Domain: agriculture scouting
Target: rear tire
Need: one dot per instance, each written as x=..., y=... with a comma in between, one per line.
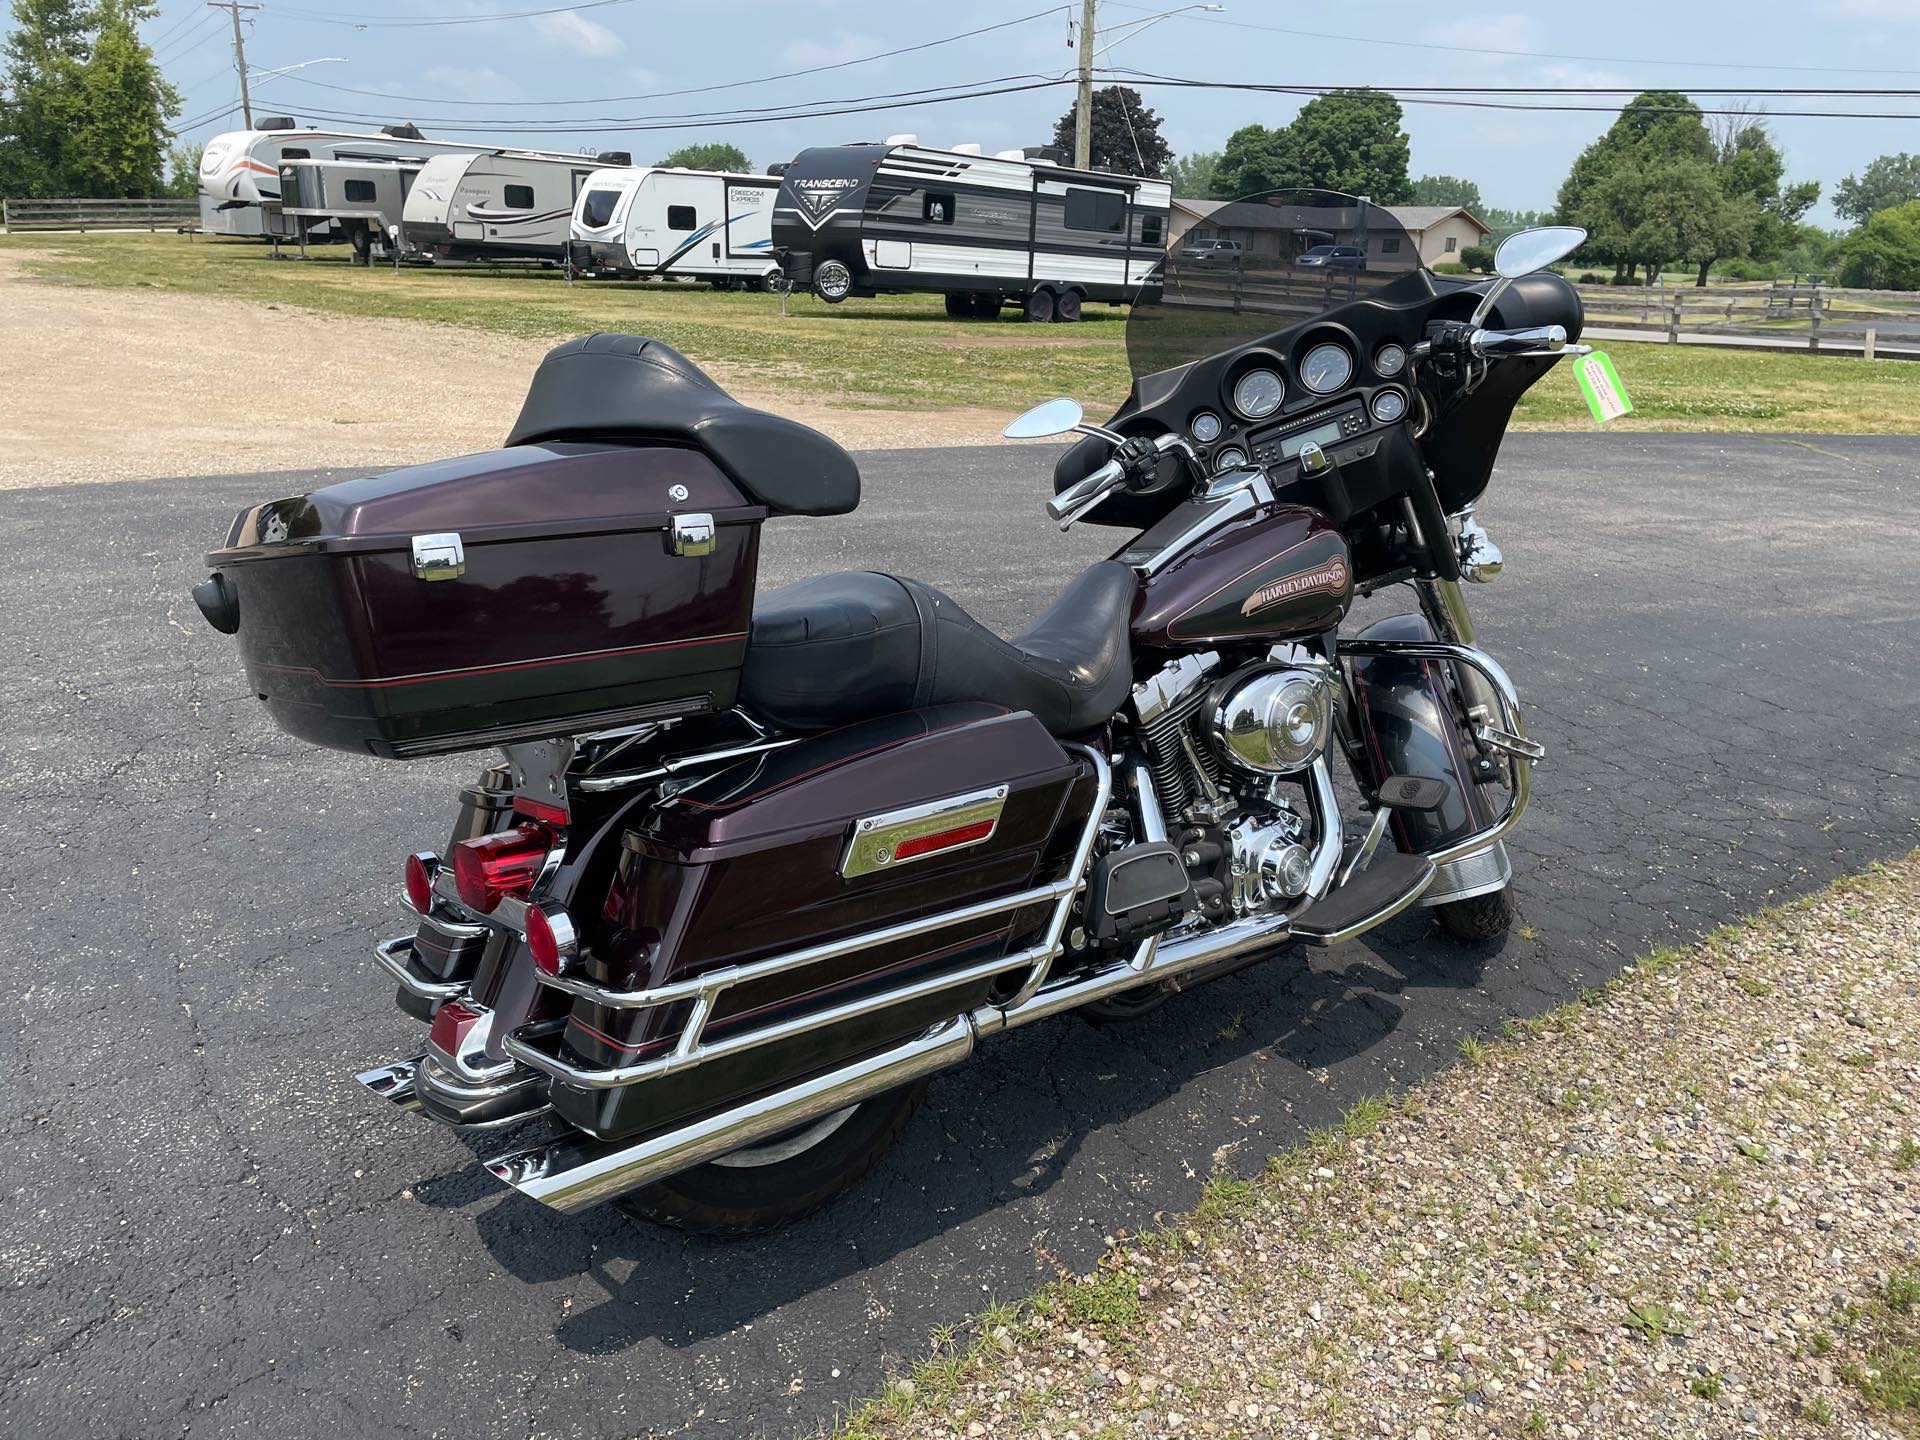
x=1040, y=307
x=772, y=1184
x=1066, y=309
x=1479, y=917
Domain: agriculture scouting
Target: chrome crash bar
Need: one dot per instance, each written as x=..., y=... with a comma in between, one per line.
x=1509, y=736
x=692, y=1047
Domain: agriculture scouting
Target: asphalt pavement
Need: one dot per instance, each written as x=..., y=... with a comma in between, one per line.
x=206, y=1227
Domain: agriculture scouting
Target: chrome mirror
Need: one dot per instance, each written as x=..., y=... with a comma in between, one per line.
x=1054, y=417
x=1526, y=251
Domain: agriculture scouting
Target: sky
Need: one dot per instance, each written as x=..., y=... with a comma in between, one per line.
x=601, y=63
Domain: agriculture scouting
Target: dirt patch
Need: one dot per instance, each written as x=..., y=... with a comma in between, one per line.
x=119, y=385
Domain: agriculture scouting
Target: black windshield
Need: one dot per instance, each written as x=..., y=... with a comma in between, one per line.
x=1264, y=263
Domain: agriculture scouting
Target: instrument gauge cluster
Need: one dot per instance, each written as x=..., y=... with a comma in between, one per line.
x=1258, y=393
x=1327, y=367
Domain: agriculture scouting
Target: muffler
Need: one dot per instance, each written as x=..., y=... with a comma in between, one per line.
x=576, y=1171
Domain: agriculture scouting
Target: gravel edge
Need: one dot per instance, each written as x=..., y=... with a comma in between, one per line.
x=1674, y=1206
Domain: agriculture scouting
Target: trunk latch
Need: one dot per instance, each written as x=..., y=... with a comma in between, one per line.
x=693, y=535
x=438, y=557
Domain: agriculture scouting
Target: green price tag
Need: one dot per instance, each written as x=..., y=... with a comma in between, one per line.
x=1600, y=383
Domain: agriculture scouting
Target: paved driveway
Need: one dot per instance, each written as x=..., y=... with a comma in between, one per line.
x=206, y=1227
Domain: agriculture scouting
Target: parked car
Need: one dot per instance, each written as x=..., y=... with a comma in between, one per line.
x=1212, y=252
x=1336, y=257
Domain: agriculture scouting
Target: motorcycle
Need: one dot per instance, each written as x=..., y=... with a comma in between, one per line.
x=752, y=869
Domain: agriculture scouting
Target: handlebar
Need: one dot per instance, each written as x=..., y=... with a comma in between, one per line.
x=1485, y=344
x=1077, y=499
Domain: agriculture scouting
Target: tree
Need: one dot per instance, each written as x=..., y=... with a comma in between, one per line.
x=1506, y=222
x=1889, y=181
x=710, y=155
x=1192, y=176
x=1652, y=129
x=85, y=108
x=1445, y=190
x=1884, y=253
x=1345, y=140
x=119, y=146
x=183, y=171
x=1672, y=208
x=1125, y=136
x=40, y=94
x=1759, y=215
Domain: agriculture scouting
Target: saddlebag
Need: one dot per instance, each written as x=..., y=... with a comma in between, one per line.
x=539, y=590
x=881, y=824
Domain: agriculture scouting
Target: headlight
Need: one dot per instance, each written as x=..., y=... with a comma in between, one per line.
x=1277, y=722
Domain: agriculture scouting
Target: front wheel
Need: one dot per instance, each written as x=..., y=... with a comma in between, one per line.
x=764, y=1186
x=1478, y=917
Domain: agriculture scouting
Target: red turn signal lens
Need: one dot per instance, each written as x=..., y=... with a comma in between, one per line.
x=491, y=867
x=549, y=938
x=420, y=871
x=945, y=840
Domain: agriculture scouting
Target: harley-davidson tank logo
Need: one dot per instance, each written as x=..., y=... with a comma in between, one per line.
x=823, y=194
x=1330, y=578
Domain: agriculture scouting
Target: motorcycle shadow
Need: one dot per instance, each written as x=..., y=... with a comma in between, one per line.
x=995, y=1137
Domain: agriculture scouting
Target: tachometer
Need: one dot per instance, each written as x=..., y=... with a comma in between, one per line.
x=1326, y=368
x=1258, y=393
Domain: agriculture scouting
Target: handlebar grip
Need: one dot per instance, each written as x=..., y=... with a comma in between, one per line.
x=1518, y=342
x=1069, y=503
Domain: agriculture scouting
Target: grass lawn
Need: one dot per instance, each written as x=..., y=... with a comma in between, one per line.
x=903, y=351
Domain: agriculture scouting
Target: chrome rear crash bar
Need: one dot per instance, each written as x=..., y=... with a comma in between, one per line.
x=691, y=1047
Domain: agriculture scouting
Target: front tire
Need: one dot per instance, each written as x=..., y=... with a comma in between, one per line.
x=778, y=1181
x=1478, y=918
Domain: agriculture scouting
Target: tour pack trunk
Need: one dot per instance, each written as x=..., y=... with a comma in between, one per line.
x=534, y=591
x=832, y=842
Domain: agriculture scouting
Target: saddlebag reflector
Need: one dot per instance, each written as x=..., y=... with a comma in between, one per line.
x=510, y=595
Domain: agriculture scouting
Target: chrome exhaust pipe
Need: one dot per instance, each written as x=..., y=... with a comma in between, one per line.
x=575, y=1172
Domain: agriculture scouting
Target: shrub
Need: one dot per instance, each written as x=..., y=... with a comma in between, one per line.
x=1478, y=257
x=1449, y=267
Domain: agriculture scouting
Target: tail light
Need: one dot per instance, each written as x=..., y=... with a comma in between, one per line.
x=490, y=867
x=550, y=938
x=422, y=868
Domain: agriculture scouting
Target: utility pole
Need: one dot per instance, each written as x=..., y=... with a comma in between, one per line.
x=233, y=8
x=1083, y=114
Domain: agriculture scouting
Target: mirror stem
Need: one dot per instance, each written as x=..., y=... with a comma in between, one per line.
x=1488, y=301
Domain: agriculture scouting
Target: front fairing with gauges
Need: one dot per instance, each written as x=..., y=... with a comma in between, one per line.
x=1252, y=363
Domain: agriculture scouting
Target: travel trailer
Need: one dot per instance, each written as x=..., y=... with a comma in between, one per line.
x=363, y=199
x=698, y=224
x=984, y=230
x=240, y=170
x=497, y=204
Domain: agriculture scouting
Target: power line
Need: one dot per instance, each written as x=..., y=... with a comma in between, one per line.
x=698, y=89
x=379, y=22
x=1484, y=50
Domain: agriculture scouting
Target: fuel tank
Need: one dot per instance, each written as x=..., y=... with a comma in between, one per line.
x=1281, y=574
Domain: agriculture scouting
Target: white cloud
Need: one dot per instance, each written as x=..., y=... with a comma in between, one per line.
x=576, y=32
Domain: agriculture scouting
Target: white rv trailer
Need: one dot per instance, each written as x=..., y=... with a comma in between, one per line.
x=497, y=204
x=365, y=199
x=240, y=170
x=650, y=222
x=984, y=230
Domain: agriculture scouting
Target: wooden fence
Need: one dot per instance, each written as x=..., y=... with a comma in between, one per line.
x=1777, y=315
x=75, y=214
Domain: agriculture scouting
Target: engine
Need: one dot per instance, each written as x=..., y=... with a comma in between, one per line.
x=1223, y=750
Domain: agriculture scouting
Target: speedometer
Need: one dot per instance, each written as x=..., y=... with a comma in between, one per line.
x=1326, y=368
x=1258, y=393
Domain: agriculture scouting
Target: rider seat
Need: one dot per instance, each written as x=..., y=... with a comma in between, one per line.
x=840, y=648
x=619, y=387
